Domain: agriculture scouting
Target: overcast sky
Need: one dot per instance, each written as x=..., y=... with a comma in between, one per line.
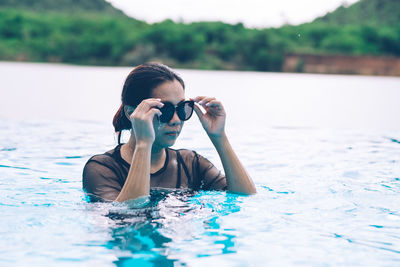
x=253, y=13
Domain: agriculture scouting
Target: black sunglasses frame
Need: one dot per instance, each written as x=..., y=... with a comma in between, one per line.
x=167, y=113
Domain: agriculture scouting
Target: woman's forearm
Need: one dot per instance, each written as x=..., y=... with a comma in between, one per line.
x=137, y=183
x=236, y=175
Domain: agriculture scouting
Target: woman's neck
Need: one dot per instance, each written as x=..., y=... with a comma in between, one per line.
x=158, y=154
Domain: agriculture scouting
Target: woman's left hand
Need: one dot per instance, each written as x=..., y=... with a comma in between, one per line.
x=213, y=120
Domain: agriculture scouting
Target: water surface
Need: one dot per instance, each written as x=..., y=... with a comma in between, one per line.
x=323, y=150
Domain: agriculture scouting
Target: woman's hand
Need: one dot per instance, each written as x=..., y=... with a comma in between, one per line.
x=142, y=120
x=213, y=120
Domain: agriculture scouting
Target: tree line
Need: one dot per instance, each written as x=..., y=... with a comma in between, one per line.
x=106, y=39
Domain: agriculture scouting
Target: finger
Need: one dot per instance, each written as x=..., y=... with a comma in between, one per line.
x=145, y=106
x=205, y=100
x=149, y=103
x=152, y=102
x=148, y=115
x=198, y=98
x=152, y=112
x=214, y=103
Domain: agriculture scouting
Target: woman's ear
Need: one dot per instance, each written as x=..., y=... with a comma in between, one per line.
x=128, y=110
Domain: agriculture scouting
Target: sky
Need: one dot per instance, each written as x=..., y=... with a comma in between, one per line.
x=252, y=13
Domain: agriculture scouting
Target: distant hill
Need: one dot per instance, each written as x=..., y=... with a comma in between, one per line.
x=63, y=5
x=94, y=32
x=365, y=12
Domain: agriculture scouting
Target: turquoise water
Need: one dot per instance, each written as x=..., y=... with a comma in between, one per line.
x=326, y=199
x=328, y=194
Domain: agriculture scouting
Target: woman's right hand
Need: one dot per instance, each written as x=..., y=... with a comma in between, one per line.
x=142, y=120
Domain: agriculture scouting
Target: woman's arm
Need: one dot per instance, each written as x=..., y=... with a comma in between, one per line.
x=137, y=183
x=237, y=178
x=213, y=122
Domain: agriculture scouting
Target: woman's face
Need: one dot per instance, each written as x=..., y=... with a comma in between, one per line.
x=167, y=133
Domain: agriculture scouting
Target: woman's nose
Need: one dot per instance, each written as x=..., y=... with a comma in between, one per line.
x=175, y=120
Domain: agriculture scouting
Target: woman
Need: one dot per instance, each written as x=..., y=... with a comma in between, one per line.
x=154, y=109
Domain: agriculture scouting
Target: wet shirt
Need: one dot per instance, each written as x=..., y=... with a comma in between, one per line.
x=104, y=175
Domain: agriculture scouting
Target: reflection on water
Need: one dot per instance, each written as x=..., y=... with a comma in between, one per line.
x=171, y=222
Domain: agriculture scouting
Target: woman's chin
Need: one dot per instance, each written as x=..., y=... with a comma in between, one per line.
x=166, y=142
x=170, y=143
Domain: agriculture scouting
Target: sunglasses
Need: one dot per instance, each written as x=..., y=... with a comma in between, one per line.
x=183, y=109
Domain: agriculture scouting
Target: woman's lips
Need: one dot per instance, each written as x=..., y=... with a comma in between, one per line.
x=172, y=133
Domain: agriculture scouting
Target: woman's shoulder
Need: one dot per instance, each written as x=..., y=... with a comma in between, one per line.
x=107, y=158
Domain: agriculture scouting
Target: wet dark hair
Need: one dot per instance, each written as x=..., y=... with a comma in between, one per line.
x=138, y=86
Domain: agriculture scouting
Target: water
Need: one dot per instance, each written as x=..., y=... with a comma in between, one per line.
x=323, y=150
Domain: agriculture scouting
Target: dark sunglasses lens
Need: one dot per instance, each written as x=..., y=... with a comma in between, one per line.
x=185, y=110
x=167, y=111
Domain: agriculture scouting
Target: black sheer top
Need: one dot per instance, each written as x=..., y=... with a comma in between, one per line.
x=104, y=175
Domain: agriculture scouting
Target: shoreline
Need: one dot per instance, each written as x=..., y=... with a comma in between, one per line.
x=293, y=64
